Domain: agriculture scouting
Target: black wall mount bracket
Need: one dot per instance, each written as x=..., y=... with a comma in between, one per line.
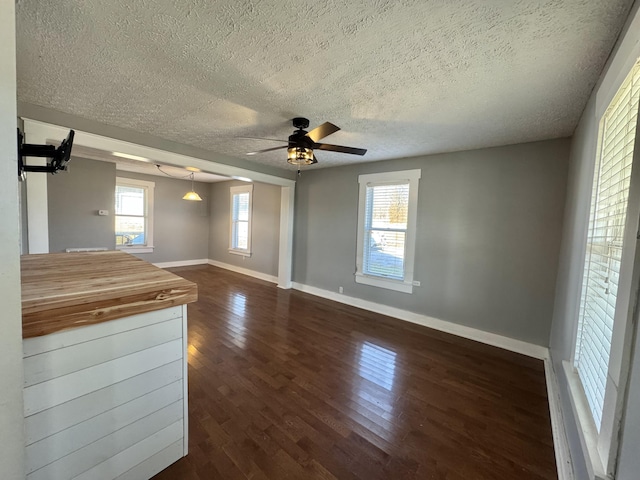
x=59, y=155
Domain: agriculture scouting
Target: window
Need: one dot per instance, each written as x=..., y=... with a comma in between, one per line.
x=386, y=229
x=134, y=215
x=604, y=302
x=240, y=231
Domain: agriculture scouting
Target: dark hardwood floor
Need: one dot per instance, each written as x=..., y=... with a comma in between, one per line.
x=285, y=385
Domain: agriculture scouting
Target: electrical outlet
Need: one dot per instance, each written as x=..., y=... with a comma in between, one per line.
x=103, y=213
x=340, y=290
x=416, y=283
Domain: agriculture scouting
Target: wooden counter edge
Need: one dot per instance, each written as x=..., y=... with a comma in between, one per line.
x=54, y=320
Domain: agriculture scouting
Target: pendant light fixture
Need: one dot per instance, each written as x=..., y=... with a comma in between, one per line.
x=192, y=195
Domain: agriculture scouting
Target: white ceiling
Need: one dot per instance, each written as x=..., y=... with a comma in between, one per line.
x=168, y=171
x=401, y=78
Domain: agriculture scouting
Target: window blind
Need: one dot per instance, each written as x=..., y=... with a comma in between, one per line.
x=607, y=222
x=386, y=210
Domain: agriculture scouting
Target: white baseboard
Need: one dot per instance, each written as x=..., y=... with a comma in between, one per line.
x=182, y=263
x=245, y=271
x=560, y=442
x=518, y=346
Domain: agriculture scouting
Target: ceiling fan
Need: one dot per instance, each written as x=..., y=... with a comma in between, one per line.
x=301, y=144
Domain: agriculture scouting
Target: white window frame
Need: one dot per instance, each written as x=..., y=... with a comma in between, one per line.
x=236, y=191
x=412, y=177
x=149, y=188
x=601, y=447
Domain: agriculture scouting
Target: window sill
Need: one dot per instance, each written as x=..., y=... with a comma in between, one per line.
x=243, y=253
x=141, y=249
x=396, y=285
x=585, y=425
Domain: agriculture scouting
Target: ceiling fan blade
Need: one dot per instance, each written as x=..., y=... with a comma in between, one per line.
x=322, y=131
x=340, y=149
x=268, y=150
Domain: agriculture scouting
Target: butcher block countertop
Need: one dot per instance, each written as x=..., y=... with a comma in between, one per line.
x=67, y=290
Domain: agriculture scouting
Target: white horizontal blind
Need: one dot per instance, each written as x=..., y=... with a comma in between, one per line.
x=240, y=235
x=605, y=241
x=385, y=227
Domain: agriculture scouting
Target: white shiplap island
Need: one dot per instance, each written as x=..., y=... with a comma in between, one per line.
x=105, y=362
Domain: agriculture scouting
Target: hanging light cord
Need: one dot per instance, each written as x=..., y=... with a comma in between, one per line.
x=189, y=175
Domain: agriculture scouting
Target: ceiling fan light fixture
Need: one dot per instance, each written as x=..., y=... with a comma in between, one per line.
x=299, y=156
x=301, y=143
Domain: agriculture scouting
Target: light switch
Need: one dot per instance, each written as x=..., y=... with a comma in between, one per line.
x=103, y=212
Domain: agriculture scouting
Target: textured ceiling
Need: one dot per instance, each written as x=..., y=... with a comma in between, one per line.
x=144, y=167
x=400, y=77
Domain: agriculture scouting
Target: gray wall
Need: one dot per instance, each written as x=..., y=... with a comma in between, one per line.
x=74, y=198
x=181, y=227
x=489, y=224
x=265, y=227
x=570, y=268
x=569, y=281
